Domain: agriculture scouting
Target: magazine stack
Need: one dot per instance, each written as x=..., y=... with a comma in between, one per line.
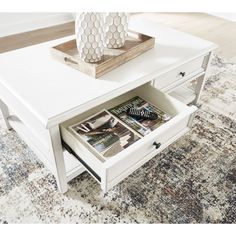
x=110, y=131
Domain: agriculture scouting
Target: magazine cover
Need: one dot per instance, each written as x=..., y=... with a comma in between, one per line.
x=104, y=133
x=142, y=126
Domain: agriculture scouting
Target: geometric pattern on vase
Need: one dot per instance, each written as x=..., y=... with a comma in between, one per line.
x=90, y=36
x=116, y=27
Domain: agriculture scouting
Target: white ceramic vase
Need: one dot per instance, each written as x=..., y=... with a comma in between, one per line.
x=89, y=30
x=116, y=27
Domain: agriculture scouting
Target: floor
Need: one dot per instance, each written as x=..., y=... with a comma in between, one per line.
x=215, y=29
x=16, y=41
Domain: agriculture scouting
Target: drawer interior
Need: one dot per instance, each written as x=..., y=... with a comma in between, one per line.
x=161, y=100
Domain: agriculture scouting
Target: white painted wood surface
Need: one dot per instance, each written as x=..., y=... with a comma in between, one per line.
x=174, y=77
x=143, y=160
x=183, y=94
x=125, y=160
x=43, y=93
x=56, y=154
x=53, y=92
x=5, y=114
x=73, y=167
x=32, y=142
x=201, y=81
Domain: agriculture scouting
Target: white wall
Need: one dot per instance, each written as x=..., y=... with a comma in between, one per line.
x=225, y=15
x=13, y=23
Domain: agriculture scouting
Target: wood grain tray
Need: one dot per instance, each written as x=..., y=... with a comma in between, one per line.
x=135, y=45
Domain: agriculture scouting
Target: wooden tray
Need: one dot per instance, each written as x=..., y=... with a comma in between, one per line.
x=135, y=45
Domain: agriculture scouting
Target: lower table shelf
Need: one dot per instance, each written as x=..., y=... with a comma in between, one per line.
x=72, y=165
x=183, y=94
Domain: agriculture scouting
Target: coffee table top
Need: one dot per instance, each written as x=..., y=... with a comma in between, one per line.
x=54, y=92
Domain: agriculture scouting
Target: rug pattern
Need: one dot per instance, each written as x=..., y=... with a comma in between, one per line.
x=192, y=181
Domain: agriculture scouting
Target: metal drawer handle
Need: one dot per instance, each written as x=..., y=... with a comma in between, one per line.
x=157, y=145
x=182, y=74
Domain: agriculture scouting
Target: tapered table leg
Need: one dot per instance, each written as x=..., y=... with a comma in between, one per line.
x=5, y=114
x=56, y=153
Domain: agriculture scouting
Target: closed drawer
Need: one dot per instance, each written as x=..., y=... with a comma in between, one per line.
x=110, y=172
x=180, y=75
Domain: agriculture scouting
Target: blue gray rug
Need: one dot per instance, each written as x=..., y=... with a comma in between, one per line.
x=192, y=181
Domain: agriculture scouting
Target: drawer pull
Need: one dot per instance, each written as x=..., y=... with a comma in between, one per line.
x=182, y=74
x=157, y=145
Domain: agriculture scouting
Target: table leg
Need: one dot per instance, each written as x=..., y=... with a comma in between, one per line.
x=199, y=87
x=5, y=113
x=56, y=153
x=201, y=81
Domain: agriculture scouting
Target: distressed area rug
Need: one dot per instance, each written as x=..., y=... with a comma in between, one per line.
x=192, y=181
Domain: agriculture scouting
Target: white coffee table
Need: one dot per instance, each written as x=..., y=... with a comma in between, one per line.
x=41, y=94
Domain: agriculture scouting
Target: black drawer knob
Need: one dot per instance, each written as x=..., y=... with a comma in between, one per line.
x=157, y=145
x=182, y=74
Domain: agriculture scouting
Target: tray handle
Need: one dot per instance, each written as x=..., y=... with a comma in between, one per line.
x=69, y=60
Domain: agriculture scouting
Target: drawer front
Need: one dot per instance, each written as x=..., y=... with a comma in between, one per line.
x=140, y=156
x=180, y=74
x=110, y=172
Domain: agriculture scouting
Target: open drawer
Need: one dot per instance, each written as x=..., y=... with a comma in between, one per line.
x=110, y=172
